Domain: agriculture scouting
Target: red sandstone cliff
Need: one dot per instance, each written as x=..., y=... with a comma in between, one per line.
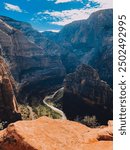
x=8, y=104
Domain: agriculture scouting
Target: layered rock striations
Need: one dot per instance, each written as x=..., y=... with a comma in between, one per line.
x=49, y=134
x=86, y=94
x=29, y=63
x=8, y=104
x=38, y=62
x=48, y=46
x=86, y=41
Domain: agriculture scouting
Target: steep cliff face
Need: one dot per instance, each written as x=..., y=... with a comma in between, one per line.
x=49, y=134
x=48, y=46
x=38, y=61
x=8, y=104
x=30, y=65
x=88, y=41
x=82, y=42
x=86, y=94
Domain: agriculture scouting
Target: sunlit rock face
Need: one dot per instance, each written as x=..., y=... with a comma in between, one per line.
x=49, y=134
x=8, y=104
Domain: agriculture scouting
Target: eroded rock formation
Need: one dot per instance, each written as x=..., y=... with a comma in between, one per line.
x=8, y=104
x=49, y=134
x=86, y=94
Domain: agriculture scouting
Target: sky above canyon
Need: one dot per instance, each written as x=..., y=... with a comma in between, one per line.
x=51, y=15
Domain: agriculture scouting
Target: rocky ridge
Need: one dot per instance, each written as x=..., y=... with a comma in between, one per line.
x=89, y=42
x=85, y=93
x=29, y=63
x=86, y=41
x=8, y=105
x=48, y=46
x=48, y=134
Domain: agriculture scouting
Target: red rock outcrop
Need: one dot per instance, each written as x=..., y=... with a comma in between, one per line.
x=8, y=104
x=48, y=134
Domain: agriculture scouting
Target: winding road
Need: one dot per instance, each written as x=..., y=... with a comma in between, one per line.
x=49, y=98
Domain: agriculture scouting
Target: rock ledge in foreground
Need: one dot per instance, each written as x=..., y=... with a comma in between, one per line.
x=49, y=134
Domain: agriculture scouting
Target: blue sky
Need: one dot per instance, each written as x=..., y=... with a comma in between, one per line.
x=51, y=14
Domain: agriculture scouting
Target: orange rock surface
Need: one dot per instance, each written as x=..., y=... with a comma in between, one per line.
x=8, y=103
x=49, y=134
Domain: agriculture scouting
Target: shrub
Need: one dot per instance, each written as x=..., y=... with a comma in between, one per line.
x=90, y=121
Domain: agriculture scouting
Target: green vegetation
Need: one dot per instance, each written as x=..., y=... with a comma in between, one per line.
x=24, y=111
x=38, y=110
x=90, y=121
x=42, y=110
x=1, y=126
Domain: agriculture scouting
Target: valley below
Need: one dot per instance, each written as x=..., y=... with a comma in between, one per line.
x=57, y=87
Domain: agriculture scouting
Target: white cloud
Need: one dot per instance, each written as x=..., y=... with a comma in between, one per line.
x=104, y=4
x=66, y=1
x=12, y=7
x=51, y=30
x=88, y=5
x=67, y=16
